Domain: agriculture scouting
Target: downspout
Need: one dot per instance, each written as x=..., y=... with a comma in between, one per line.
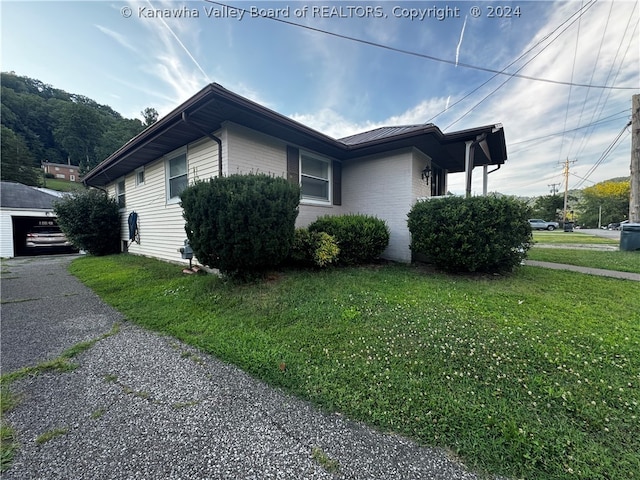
x=211, y=136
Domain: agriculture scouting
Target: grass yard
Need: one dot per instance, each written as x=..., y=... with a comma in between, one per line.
x=560, y=237
x=534, y=375
x=63, y=185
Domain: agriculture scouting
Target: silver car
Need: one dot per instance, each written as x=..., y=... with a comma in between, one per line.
x=49, y=237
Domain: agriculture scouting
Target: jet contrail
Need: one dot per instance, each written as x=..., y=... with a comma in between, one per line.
x=460, y=41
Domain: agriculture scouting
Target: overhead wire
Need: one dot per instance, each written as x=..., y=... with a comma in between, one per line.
x=573, y=69
x=579, y=11
x=604, y=155
x=418, y=54
x=593, y=72
x=601, y=104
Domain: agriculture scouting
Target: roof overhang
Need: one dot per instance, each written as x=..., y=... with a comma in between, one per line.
x=207, y=110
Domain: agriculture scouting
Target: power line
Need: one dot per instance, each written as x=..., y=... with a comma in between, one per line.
x=580, y=11
x=604, y=155
x=417, y=54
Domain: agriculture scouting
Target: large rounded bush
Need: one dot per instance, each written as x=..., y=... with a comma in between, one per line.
x=361, y=238
x=241, y=224
x=477, y=234
x=91, y=221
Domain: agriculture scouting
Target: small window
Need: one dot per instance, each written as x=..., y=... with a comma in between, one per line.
x=177, y=176
x=139, y=177
x=120, y=193
x=314, y=178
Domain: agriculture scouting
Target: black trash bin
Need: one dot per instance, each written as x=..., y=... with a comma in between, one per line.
x=568, y=226
x=630, y=237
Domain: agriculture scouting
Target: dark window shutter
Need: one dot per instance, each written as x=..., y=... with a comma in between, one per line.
x=337, y=183
x=293, y=165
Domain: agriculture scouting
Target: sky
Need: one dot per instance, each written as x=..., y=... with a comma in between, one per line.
x=558, y=75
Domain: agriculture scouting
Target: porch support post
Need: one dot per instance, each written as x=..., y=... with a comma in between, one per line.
x=468, y=164
x=485, y=179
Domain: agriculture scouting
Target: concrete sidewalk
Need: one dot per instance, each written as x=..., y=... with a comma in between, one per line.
x=145, y=406
x=587, y=270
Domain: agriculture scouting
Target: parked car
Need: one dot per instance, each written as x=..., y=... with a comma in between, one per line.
x=538, y=224
x=613, y=226
x=43, y=238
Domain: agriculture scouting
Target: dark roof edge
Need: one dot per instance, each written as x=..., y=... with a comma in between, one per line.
x=215, y=91
x=208, y=93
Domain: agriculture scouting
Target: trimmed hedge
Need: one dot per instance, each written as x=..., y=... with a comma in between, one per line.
x=361, y=238
x=90, y=220
x=241, y=224
x=477, y=234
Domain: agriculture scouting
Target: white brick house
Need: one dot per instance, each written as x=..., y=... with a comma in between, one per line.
x=216, y=132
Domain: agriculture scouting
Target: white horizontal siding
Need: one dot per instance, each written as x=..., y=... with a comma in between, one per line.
x=160, y=223
x=6, y=235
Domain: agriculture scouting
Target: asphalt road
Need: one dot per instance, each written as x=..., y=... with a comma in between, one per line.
x=144, y=406
x=615, y=234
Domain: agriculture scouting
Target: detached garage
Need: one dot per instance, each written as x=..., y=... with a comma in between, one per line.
x=23, y=209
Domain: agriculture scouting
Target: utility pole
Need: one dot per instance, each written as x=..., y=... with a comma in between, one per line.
x=554, y=188
x=565, y=172
x=634, y=198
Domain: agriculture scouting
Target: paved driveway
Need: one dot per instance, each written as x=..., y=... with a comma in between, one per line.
x=145, y=406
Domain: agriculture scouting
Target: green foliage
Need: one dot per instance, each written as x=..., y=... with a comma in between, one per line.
x=57, y=126
x=90, y=220
x=477, y=234
x=318, y=249
x=17, y=160
x=361, y=238
x=241, y=224
x=549, y=207
x=610, y=196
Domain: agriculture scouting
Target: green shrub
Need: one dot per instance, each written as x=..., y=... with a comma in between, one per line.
x=361, y=238
x=241, y=224
x=90, y=220
x=478, y=234
x=318, y=249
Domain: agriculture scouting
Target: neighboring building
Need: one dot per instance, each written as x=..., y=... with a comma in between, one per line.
x=216, y=132
x=21, y=209
x=61, y=171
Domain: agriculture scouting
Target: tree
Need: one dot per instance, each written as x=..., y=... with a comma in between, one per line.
x=610, y=197
x=116, y=134
x=79, y=129
x=16, y=159
x=150, y=116
x=548, y=207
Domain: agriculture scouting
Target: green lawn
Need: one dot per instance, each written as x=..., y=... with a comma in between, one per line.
x=533, y=375
x=576, y=237
x=63, y=185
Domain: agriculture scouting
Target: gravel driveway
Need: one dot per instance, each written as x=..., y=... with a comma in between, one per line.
x=145, y=406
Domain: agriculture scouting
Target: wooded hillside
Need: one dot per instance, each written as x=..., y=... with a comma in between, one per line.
x=42, y=123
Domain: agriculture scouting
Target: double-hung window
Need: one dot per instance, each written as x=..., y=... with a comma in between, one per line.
x=176, y=176
x=120, y=194
x=315, y=173
x=140, y=176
